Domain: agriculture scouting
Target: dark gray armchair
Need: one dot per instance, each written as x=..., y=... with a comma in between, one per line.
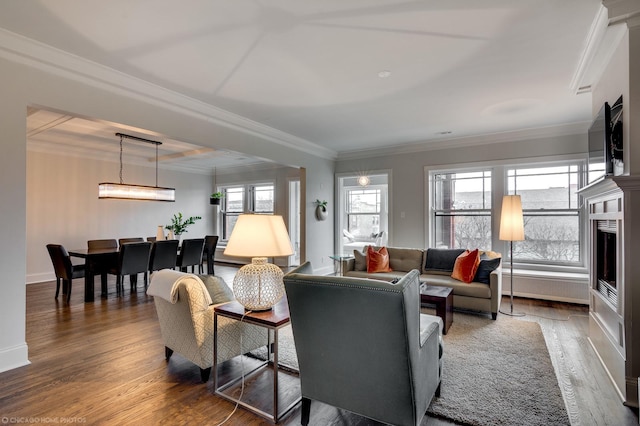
x=363, y=345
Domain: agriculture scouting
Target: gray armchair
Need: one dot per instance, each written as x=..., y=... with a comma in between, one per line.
x=363, y=345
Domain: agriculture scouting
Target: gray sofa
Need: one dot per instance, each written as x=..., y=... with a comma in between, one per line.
x=436, y=266
x=364, y=346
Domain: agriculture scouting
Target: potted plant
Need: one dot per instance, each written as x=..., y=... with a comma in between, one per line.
x=179, y=225
x=321, y=209
x=215, y=198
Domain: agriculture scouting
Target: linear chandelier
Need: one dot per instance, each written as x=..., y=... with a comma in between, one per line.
x=136, y=192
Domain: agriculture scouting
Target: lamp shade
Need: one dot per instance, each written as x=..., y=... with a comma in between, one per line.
x=259, y=235
x=511, y=220
x=258, y=286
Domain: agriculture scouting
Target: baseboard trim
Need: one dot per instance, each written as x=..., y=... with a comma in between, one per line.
x=14, y=357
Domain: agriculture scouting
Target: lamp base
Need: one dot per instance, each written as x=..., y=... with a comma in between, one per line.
x=258, y=286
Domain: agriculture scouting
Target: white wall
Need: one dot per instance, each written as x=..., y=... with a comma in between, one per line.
x=63, y=205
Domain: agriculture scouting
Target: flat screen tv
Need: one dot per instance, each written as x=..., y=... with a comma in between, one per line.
x=605, y=142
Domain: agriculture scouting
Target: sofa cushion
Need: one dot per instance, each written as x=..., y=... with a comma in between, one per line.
x=466, y=266
x=217, y=288
x=486, y=267
x=377, y=260
x=405, y=259
x=441, y=260
x=360, y=261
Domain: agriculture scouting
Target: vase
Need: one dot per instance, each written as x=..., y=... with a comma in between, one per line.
x=160, y=233
x=321, y=213
x=170, y=235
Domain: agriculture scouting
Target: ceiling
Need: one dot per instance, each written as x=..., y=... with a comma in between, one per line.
x=346, y=75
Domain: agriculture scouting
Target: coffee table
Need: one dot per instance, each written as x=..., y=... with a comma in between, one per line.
x=442, y=297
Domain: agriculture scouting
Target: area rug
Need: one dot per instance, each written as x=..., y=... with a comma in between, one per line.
x=495, y=373
x=498, y=373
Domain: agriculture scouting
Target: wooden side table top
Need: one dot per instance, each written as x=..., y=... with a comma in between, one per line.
x=275, y=317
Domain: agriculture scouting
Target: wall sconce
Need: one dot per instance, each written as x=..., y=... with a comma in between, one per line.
x=136, y=192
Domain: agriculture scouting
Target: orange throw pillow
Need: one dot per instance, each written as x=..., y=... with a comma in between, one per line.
x=466, y=266
x=377, y=261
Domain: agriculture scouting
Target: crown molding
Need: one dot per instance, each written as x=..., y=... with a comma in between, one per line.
x=470, y=141
x=622, y=10
x=592, y=43
x=26, y=51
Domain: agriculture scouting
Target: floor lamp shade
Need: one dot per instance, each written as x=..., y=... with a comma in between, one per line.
x=258, y=286
x=511, y=221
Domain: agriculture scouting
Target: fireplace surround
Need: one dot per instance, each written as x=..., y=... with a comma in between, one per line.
x=613, y=206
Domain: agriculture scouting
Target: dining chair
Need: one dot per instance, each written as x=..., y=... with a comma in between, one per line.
x=164, y=255
x=102, y=244
x=210, y=243
x=122, y=241
x=133, y=259
x=65, y=271
x=191, y=254
x=152, y=239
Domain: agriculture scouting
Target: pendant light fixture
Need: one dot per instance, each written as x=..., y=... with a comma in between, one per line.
x=136, y=192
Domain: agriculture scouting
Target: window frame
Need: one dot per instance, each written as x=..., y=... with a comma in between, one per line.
x=248, y=204
x=499, y=188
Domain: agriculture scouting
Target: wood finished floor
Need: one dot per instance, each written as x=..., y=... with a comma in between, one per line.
x=103, y=363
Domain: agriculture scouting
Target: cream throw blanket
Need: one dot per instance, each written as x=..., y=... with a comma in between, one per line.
x=164, y=284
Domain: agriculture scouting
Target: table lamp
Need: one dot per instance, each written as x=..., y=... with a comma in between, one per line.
x=511, y=229
x=258, y=286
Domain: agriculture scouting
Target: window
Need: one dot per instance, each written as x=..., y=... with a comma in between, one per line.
x=239, y=199
x=462, y=209
x=551, y=213
x=363, y=211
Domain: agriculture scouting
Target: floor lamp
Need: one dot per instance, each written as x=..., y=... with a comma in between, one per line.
x=511, y=229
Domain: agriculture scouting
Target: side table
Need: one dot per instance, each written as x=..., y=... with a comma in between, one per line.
x=442, y=297
x=339, y=258
x=273, y=320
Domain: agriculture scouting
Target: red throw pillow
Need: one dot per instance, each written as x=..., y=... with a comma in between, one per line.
x=466, y=266
x=377, y=261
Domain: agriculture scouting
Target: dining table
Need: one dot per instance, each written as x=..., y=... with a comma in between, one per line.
x=97, y=261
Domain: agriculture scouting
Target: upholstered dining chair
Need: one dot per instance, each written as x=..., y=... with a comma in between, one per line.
x=65, y=271
x=122, y=241
x=210, y=244
x=191, y=254
x=133, y=259
x=163, y=255
x=364, y=346
x=109, y=243
x=184, y=304
x=102, y=244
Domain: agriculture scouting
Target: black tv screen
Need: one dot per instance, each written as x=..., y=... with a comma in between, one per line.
x=600, y=164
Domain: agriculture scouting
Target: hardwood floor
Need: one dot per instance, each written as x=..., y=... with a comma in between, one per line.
x=103, y=363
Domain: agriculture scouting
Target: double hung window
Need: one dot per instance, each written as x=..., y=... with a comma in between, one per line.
x=551, y=211
x=462, y=209
x=464, y=201
x=247, y=198
x=363, y=211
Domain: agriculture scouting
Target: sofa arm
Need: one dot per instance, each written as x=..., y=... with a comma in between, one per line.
x=348, y=265
x=495, y=284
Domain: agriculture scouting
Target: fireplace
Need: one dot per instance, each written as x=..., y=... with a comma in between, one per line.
x=613, y=205
x=606, y=259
